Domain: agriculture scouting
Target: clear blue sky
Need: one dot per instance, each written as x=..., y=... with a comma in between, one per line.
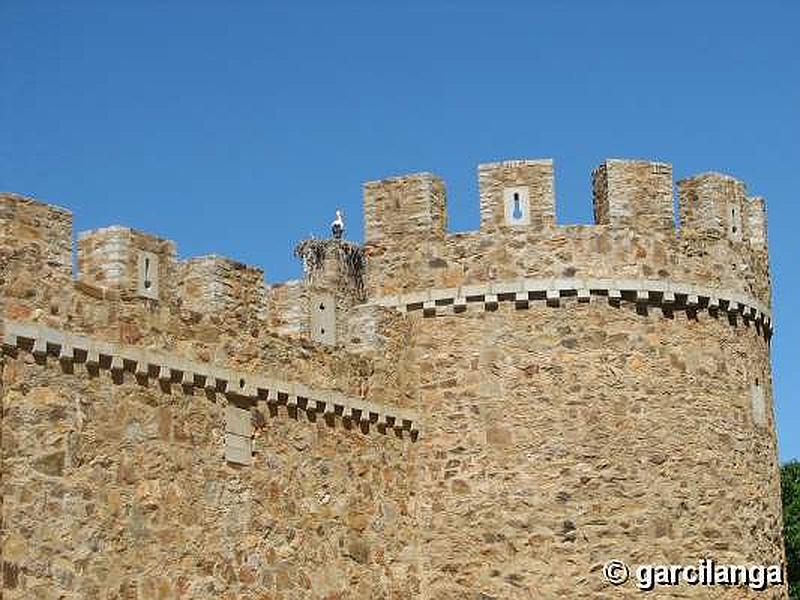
x=237, y=128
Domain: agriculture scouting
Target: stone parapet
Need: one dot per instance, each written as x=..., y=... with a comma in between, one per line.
x=635, y=235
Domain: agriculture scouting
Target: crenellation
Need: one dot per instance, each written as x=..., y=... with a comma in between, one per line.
x=756, y=223
x=130, y=262
x=636, y=194
x=215, y=285
x=517, y=193
x=103, y=257
x=712, y=206
x=35, y=239
x=404, y=207
x=635, y=237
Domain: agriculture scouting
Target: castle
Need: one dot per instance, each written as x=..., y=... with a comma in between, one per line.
x=483, y=415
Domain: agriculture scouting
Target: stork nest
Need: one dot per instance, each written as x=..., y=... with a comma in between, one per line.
x=351, y=257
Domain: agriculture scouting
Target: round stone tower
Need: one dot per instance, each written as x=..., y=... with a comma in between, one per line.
x=588, y=392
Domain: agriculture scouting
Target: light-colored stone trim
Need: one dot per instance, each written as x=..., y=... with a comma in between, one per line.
x=667, y=294
x=238, y=435
x=43, y=341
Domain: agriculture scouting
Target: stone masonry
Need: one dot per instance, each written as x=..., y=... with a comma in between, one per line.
x=483, y=415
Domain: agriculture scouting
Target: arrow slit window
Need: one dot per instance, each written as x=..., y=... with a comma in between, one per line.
x=516, y=205
x=147, y=277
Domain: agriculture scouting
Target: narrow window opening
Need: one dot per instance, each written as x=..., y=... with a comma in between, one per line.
x=147, y=281
x=757, y=381
x=517, y=212
x=321, y=306
x=241, y=383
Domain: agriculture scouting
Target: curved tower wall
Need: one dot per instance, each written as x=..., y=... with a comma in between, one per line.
x=588, y=392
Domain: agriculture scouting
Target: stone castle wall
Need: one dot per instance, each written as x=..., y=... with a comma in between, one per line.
x=490, y=414
x=569, y=435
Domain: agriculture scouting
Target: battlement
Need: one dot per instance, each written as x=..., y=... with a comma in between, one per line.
x=519, y=195
x=130, y=281
x=131, y=262
x=33, y=233
x=633, y=193
x=720, y=239
x=217, y=285
x=409, y=206
x=720, y=242
x=716, y=206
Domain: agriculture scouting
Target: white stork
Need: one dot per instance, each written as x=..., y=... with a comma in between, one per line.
x=337, y=226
